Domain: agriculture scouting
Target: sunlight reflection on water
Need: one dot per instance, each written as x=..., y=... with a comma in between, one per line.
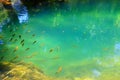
x=22, y=11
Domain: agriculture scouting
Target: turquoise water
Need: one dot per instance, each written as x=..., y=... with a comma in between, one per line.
x=83, y=43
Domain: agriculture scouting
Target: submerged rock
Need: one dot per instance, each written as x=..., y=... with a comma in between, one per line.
x=21, y=71
x=4, y=19
x=14, y=6
x=24, y=71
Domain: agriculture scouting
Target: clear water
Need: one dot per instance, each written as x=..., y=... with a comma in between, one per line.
x=84, y=43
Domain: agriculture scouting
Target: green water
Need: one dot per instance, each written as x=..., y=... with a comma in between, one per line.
x=81, y=42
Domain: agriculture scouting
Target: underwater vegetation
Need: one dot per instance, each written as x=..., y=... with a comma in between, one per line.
x=21, y=71
x=3, y=17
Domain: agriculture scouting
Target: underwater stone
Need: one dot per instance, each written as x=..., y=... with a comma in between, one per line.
x=4, y=19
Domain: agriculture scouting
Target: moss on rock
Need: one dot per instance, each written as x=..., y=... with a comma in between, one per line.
x=3, y=13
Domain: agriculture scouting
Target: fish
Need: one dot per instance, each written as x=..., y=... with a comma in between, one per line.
x=32, y=55
x=16, y=48
x=22, y=44
x=27, y=49
x=51, y=50
x=34, y=42
x=22, y=41
x=2, y=58
x=11, y=39
x=19, y=36
x=59, y=70
x=15, y=40
x=13, y=35
x=33, y=35
x=12, y=60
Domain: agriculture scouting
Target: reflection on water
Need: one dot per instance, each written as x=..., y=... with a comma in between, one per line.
x=117, y=49
x=68, y=45
x=21, y=10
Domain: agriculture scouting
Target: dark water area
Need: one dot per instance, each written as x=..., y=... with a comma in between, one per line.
x=73, y=41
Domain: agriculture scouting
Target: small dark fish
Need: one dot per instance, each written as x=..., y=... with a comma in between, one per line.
x=33, y=54
x=13, y=35
x=15, y=40
x=16, y=48
x=22, y=44
x=34, y=42
x=59, y=70
x=22, y=41
x=11, y=30
x=51, y=50
x=27, y=49
x=12, y=60
x=2, y=58
x=11, y=39
x=33, y=35
x=19, y=36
